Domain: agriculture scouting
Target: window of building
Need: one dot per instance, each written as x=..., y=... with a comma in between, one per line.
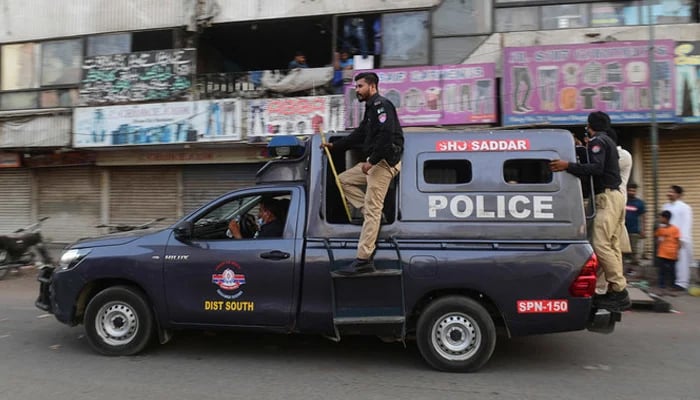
x=20, y=67
x=517, y=19
x=668, y=12
x=58, y=98
x=61, y=62
x=526, y=171
x=608, y=14
x=102, y=45
x=565, y=16
x=462, y=17
x=18, y=101
x=405, y=38
x=152, y=40
x=447, y=172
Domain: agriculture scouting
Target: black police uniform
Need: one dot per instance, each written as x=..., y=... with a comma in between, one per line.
x=379, y=133
x=603, y=164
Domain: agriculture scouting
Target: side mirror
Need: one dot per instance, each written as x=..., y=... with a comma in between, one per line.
x=183, y=230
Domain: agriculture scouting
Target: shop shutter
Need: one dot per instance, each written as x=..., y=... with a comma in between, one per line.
x=203, y=183
x=140, y=194
x=16, y=199
x=70, y=197
x=678, y=156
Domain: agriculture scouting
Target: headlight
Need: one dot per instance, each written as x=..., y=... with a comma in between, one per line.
x=71, y=258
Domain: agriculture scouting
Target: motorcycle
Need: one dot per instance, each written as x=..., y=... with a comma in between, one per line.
x=113, y=228
x=20, y=249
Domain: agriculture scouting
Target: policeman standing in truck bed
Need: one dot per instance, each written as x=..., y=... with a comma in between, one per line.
x=382, y=139
x=610, y=209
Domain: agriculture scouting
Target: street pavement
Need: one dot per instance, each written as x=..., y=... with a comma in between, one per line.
x=649, y=356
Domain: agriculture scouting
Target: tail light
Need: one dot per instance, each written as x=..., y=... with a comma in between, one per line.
x=584, y=284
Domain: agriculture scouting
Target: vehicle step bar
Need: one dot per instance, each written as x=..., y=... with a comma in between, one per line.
x=379, y=272
x=394, y=319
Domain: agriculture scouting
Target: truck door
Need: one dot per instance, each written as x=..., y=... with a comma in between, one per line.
x=215, y=279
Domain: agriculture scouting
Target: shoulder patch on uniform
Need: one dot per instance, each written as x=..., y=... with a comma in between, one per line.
x=595, y=149
x=382, y=118
x=380, y=110
x=377, y=102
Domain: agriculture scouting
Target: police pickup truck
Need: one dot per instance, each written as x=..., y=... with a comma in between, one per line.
x=479, y=237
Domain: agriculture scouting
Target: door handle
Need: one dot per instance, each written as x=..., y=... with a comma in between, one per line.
x=275, y=255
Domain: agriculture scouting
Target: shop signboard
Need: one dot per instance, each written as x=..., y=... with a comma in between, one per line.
x=135, y=77
x=433, y=95
x=562, y=84
x=159, y=123
x=294, y=116
x=9, y=160
x=687, y=59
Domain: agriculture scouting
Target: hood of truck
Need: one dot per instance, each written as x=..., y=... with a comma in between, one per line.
x=115, y=239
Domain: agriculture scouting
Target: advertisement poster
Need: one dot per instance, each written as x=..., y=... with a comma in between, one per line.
x=160, y=123
x=562, y=84
x=688, y=81
x=294, y=115
x=433, y=95
x=150, y=75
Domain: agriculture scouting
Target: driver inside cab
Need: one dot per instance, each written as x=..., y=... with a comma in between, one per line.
x=270, y=217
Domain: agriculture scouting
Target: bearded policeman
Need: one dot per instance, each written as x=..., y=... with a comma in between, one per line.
x=381, y=137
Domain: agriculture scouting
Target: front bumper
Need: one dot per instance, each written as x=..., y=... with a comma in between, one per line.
x=58, y=293
x=603, y=321
x=43, y=302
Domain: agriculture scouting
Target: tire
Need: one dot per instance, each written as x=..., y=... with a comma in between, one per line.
x=456, y=334
x=118, y=322
x=3, y=272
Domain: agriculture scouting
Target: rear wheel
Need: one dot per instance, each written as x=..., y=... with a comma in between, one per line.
x=456, y=334
x=118, y=321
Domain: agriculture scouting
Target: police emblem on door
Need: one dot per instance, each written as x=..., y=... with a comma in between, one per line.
x=229, y=278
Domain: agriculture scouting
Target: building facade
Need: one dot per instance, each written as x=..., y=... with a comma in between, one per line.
x=126, y=111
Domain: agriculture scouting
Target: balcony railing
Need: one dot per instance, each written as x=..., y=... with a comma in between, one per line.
x=268, y=83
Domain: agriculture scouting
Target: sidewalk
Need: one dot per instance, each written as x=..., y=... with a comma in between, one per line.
x=645, y=277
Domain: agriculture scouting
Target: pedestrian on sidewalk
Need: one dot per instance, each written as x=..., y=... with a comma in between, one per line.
x=682, y=217
x=635, y=221
x=668, y=238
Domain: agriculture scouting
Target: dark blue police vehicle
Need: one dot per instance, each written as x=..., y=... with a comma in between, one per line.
x=479, y=237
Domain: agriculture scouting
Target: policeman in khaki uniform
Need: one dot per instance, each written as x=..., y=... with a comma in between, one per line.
x=610, y=209
x=381, y=137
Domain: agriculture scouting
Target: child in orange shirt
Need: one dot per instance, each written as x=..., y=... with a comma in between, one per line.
x=668, y=238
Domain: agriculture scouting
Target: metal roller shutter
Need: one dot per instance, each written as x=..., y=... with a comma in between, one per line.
x=70, y=197
x=678, y=165
x=202, y=183
x=16, y=203
x=140, y=194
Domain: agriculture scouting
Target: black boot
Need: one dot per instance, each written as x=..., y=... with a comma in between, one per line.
x=359, y=266
x=614, y=301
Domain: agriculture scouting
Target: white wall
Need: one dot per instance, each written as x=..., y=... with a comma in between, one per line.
x=244, y=10
x=23, y=20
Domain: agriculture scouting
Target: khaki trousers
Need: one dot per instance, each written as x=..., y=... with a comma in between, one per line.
x=371, y=201
x=607, y=232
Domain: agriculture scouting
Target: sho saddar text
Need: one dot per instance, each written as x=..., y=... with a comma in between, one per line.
x=517, y=206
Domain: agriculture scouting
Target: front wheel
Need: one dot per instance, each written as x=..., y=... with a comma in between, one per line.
x=118, y=322
x=456, y=334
